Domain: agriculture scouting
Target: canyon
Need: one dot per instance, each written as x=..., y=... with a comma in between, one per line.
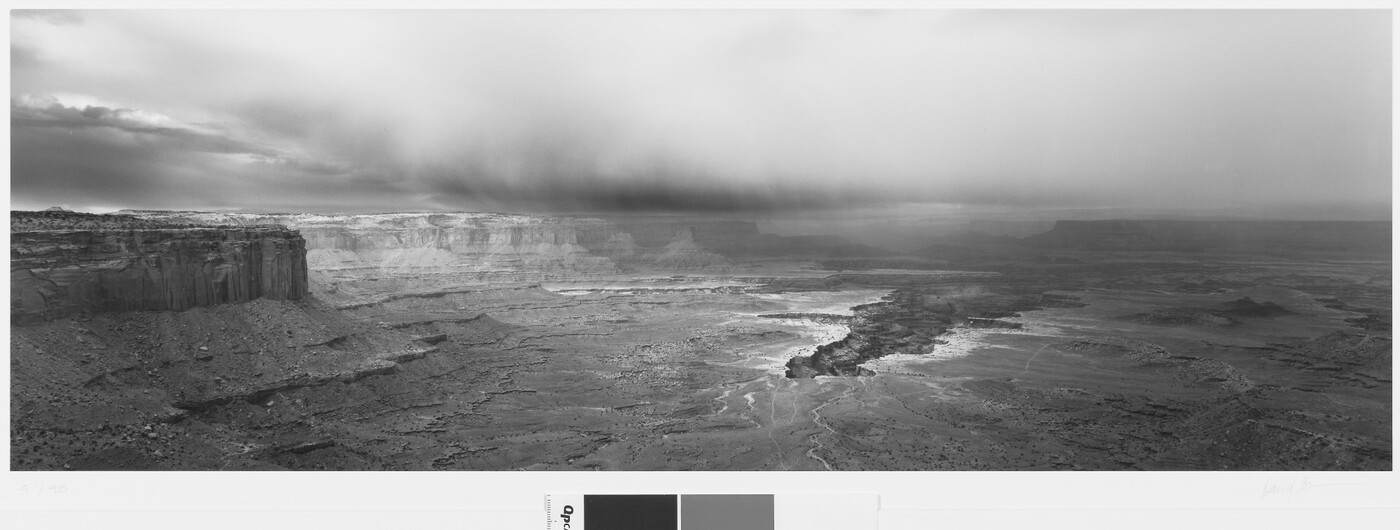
x=475, y=341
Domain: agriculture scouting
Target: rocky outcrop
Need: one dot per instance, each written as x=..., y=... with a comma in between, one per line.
x=683, y=252
x=66, y=263
x=1246, y=307
x=1221, y=315
x=902, y=323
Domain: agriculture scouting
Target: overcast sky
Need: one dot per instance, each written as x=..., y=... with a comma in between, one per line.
x=747, y=110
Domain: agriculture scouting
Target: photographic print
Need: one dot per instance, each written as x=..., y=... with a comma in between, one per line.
x=718, y=240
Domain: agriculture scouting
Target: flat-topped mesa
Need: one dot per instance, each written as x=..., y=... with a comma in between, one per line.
x=65, y=263
x=417, y=244
x=425, y=250
x=1291, y=237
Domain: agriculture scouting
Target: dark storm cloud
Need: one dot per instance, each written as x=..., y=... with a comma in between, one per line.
x=706, y=110
x=136, y=158
x=97, y=165
x=112, y=172
x=24, y=117
x=654, y=191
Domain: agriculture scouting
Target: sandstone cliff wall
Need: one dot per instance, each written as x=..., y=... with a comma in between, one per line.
x=471, y=247
x=443, y=243
x=55, y=273
x=535, y=247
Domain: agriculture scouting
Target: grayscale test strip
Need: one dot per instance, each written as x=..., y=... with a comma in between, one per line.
x=724, y=511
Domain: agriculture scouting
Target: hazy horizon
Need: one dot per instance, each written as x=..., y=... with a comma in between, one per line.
x=1236, y=113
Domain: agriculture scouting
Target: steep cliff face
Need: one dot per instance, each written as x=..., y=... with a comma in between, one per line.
x=56, y=271
x=417, y=251
x=486, y=246
x=448, y=243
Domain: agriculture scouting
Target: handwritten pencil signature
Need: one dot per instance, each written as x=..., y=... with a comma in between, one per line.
x=1294, y=487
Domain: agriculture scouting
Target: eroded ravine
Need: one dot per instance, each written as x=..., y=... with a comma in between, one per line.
x=1120, y=365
